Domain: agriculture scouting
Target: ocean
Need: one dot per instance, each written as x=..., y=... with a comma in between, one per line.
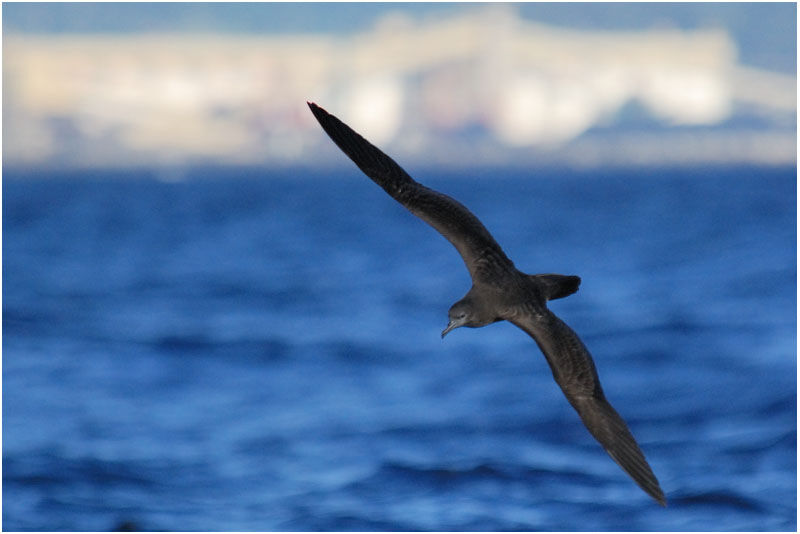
x=260, y=350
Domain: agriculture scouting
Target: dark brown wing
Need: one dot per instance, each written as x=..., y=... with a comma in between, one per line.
x=481, y=253
x=575, y=373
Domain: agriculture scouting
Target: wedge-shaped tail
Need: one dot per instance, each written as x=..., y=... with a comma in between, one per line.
x=557, y=286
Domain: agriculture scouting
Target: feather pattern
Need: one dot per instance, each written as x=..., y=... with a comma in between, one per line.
x=576, y=375
x=500, y=291
x=480, y=252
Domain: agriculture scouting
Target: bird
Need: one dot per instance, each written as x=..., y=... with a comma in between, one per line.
x=502, y=292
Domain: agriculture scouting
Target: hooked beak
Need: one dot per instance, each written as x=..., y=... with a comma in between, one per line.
x=455, y=323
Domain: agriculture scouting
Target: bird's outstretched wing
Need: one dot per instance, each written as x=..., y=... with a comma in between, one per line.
x=575, y=373
x=480, y=252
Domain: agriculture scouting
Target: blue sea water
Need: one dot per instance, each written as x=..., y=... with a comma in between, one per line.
x=261, y=351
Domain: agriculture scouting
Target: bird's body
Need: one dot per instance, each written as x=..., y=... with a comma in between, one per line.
x=501, y=292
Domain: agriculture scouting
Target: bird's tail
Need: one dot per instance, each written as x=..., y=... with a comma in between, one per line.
x=556, y=286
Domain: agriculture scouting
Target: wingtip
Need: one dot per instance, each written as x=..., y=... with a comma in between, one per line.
x=318, y=112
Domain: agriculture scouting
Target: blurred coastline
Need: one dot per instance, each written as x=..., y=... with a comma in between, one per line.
x=485, y=86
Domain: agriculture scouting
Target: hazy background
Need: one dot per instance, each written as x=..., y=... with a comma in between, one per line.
x=112, y=85
x=213, y=321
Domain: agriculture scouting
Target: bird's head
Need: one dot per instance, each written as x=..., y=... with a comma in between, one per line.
x=465, y=312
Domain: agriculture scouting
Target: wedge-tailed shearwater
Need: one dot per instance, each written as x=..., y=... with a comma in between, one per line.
x=501, y=292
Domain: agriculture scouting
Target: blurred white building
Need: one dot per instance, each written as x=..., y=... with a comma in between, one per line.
x=486, y=86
